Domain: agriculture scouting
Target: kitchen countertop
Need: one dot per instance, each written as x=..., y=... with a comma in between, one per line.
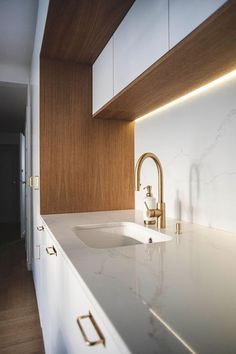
x=171, y=297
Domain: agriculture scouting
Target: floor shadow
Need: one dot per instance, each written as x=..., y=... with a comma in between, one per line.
x=9, y=232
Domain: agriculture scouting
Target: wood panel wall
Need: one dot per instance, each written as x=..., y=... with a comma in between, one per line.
x=85, y=164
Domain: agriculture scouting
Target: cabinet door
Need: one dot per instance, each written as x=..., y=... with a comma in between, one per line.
x=103, y=77
x=186, y=15
x=140, y=40
x=37, y=265
x=74, y=309
x=51, y=259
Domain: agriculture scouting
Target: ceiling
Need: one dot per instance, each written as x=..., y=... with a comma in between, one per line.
x=17, y=31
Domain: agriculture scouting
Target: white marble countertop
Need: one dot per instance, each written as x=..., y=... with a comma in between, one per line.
x=172, y=297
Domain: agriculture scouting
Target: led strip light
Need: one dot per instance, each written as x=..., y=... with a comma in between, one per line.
x=201, y=89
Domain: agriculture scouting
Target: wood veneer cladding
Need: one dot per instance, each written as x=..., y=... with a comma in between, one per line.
x=206, y=54
x=78, y=30
x=85, y=165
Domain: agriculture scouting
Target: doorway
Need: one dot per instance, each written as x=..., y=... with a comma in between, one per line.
x=9, y=193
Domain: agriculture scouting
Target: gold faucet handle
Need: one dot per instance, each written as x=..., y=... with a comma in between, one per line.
x=153, y=213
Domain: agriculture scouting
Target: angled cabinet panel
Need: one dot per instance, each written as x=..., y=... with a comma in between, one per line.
x=140, y=40
x=186, y=15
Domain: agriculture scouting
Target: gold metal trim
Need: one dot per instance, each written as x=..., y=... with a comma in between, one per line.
x=150, y=222
x=51, y=250
x=88, y=342
x=30, y=182
x=36, y=182
x=33, y=182
x=178, y=228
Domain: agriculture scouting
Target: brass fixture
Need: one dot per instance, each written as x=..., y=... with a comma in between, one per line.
x=150, y=222
x=51, y=250
x=88, y=342
x=30, y=181
x=178, y=228
x=149, y=194
x=159, y=212
x=33, y=182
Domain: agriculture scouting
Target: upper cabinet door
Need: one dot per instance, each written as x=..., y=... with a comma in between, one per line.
x=103, y=77
x=186, y=15
x=140, y=40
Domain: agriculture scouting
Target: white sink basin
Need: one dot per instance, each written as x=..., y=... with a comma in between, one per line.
x=117, y=234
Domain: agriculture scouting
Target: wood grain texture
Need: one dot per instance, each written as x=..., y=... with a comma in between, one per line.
x=206, y=54
x=85, y=164
x=78, y=30
x=20, y=330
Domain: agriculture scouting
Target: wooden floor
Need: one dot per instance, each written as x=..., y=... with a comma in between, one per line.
x=20, y=331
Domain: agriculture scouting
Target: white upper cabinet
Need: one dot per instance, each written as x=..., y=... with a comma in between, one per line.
x=140, y=40
x=186, y=15
x=103, y=77
x=148, y=31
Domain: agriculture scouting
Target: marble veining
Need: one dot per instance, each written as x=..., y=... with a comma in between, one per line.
x=196, y=143
x=188, y=282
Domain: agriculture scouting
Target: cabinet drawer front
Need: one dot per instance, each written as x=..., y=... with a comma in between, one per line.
x=81, y=329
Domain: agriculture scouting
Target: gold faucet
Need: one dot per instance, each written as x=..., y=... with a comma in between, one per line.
x=159, y=212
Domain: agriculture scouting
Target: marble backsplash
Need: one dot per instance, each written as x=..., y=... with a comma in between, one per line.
x=196, y=143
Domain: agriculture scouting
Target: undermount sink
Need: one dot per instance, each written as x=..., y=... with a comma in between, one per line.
x=119, y=234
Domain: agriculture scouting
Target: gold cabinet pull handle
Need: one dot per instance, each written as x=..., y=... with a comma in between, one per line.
x=40, y=228
x=30, y=182
x=51, y=250
x=88, y=342
x=36, y=182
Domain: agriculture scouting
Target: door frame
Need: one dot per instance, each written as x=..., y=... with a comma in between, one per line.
x=28, y=174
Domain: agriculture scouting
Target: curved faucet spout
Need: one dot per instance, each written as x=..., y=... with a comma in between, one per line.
x=138, y=168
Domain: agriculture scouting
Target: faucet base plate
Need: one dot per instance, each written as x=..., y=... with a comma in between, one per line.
x=149, y=222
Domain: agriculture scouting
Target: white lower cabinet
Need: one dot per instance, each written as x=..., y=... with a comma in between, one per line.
x=37, y=267
x=50, y=279
x=70, y=322
x=81, y=329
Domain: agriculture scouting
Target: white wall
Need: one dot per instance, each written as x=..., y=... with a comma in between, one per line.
x=14, y=73
x=34, y=82
x=32, y=132
x=196, y=143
